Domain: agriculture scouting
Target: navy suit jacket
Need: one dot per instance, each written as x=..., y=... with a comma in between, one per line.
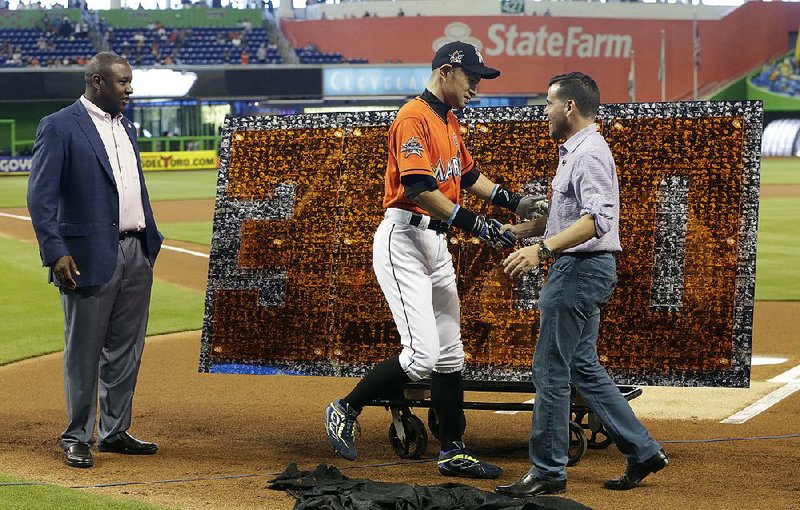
x=73, y=198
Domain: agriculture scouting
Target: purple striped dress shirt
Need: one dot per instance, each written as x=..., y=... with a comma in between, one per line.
x=586, y=183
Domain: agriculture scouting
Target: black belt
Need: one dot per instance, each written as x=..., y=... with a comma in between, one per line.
x=439, y=226
x=134, y=233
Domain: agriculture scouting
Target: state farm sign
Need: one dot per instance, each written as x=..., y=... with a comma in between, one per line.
x=507, y=40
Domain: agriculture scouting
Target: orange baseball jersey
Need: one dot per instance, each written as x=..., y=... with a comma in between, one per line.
x=421, y=143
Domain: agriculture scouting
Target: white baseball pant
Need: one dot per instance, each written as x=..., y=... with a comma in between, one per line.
x=415, y=271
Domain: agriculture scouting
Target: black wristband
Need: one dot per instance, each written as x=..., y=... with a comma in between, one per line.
x=506, y=198
x=465, y=219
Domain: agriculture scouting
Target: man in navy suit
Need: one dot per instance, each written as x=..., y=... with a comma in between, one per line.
x=92, y=216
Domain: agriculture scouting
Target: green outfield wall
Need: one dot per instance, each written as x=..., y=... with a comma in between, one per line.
x=195, y=17
x=33, y=19
x=126, y=18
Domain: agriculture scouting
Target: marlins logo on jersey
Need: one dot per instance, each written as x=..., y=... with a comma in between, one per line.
x=412, y=146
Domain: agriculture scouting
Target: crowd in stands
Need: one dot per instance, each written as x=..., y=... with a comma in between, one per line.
x=57, y=42
x=781, y=76
x=243, y=44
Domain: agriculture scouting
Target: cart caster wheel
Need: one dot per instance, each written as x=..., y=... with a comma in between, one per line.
x=597, y=436
x=577, y=443
x=408, y=436
x=598, y=439
x=433, y=423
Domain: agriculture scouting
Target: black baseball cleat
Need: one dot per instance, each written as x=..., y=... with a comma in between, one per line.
x=531, y=486
x=79, y=456
x=341, y=423
x=638, y=471
x=127, y=444
x=464, y=463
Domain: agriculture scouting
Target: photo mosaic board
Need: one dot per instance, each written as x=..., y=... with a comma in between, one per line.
x=291, y=288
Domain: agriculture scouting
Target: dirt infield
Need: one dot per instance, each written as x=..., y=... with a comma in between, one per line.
x=233, y=432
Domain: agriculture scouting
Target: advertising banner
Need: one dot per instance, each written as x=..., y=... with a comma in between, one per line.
x=360, y=81
x=194, y=160
x=15, y=164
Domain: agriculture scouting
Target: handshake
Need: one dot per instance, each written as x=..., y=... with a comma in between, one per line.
x=488, y=230
x=530, y=207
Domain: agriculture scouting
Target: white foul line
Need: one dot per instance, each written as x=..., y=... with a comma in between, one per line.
x=164, y=246
x=792, y=380
x=15, y=216
x=184, y=250
x=790, y=376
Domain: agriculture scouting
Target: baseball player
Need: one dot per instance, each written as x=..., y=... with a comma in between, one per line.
x=428, y=166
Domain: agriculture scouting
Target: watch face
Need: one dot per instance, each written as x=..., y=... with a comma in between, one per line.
x=544, y=251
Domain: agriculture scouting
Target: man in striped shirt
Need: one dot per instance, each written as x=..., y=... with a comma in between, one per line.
x=582, y=232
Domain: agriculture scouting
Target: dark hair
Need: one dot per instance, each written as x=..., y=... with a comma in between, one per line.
x=581, y=88
x=101, y=64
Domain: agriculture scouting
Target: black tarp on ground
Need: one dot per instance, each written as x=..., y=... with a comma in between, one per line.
x=326, y=488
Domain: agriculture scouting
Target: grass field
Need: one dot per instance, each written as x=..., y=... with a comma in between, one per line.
x=173, y=308
x=777, y=270
x=50, y=497
x=186, y=185
x=198, y=232
x=780, y=171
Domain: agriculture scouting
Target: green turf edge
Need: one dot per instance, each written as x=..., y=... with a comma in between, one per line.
x=775, y=171
x=54, y=497
x=197, y=232
x=777, y=270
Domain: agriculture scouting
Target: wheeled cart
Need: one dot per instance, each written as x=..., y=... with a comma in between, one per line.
x=409, y=438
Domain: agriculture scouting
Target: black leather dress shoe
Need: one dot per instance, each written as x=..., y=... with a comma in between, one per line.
x=79, y=456
x=129, y=445
x=532, y=486
x=636, y=472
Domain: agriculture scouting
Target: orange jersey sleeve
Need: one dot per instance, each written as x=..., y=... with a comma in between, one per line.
x=410, y=145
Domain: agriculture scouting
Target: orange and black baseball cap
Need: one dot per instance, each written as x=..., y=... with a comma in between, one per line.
x=461, y=54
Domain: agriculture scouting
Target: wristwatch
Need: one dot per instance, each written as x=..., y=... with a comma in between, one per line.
x=544, y=251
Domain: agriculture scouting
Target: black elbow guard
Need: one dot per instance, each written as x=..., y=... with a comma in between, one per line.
x=470, y=178
x=415, y=184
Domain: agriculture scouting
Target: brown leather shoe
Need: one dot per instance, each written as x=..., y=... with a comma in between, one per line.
x=79, y=456
x=532, y=486
x=636, y=472
x=127, y=444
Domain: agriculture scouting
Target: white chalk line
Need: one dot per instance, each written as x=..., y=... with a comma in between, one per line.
x=163, y=246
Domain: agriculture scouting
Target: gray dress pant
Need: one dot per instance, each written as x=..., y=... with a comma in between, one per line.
x=577, y=287
x=104, y=330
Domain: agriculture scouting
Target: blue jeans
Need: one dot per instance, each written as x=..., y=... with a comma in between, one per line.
x=578, y=286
